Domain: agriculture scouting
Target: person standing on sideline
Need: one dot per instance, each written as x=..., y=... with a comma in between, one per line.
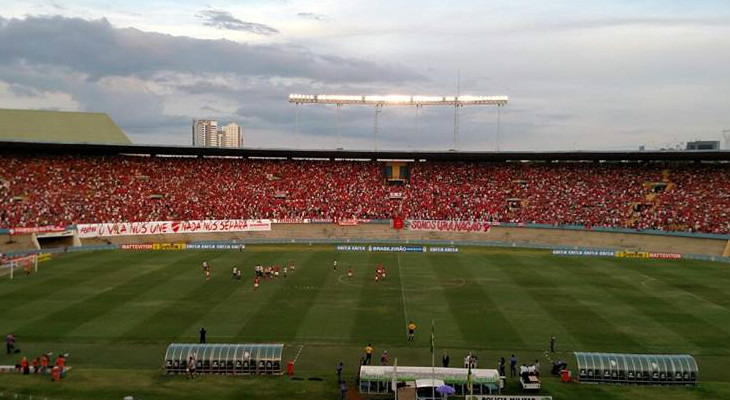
x=411, y=331
x=512, y=366
x=44, y=363
x=343, y=388
x=445, y=360
x=191, y=367
x=552, y=344
x=10, y=343
x=384, y=358
x=369, y=354
x=339, y=371
x=202, y=334
x=502, y=366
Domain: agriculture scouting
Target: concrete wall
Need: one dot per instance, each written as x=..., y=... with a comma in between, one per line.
x=17, y=243
x=507, y=235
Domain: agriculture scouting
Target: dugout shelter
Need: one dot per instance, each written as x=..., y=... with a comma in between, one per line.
x=226, y=359
x=642, y=369
x=378, y=379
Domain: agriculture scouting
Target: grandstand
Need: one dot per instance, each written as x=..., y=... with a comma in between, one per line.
x=670, y=191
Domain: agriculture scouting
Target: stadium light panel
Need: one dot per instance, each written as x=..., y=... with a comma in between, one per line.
x=406, y=100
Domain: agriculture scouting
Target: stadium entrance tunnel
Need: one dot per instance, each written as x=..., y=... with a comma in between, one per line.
x=639, y=369
x=224, y=359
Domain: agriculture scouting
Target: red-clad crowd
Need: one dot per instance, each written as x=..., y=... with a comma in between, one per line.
x=62, y=190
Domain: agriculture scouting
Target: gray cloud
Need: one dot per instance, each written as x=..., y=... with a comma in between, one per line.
x=314, y=16
x=98, y=49
x=220, y=19
x=134, y=76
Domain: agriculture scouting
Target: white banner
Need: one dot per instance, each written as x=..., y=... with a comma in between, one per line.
x=447, y=226
x=171, y=227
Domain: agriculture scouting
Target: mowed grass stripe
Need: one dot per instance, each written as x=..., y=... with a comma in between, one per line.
x=57, y=275
x=254, y=300
x=605, y=279
x=172, y=286
x=132, y=282
x=586, y=325
x=684, y=278
x=362, y=284
x=670, y=313
x=224, y=317
x=57, y=296
x=475, y=310
x=379, y=316
x=535, y=324
x=332, y=313
x=426, y=298
x=200, y=295
x=225, y=321
x=278, y=319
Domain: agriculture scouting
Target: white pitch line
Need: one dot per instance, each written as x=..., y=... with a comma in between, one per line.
x=296, y=357
x=402, y=293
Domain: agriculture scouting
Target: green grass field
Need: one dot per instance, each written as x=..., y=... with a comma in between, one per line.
x=116, y=312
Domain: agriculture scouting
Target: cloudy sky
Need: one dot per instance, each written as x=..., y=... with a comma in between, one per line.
x=580, y=74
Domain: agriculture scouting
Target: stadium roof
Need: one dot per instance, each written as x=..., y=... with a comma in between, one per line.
x=105, y=149
x=59, y=126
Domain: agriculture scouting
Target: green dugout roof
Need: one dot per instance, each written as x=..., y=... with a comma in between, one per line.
x=644, y=369
x=59, y=127
x=224, y=358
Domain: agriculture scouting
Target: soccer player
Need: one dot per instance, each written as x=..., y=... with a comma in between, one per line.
x=291, y=266
x=552, y=344
x=206, y=269
x=377, y=277
x=44, y=363
x=284, y=271
x=334, y=265
x=369, y=353
x=256, y=283
x=411, y=331
x=349, y=273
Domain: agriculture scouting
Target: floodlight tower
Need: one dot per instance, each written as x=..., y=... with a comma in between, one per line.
x=396, y=100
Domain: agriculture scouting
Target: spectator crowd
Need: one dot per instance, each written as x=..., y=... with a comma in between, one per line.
x=62, y=190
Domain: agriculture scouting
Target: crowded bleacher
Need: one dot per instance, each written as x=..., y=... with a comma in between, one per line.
x=63, y=190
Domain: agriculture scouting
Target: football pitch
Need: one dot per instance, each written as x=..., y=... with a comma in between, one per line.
x=115, y=312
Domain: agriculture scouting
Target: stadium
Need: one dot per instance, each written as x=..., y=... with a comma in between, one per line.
x=361, y=274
